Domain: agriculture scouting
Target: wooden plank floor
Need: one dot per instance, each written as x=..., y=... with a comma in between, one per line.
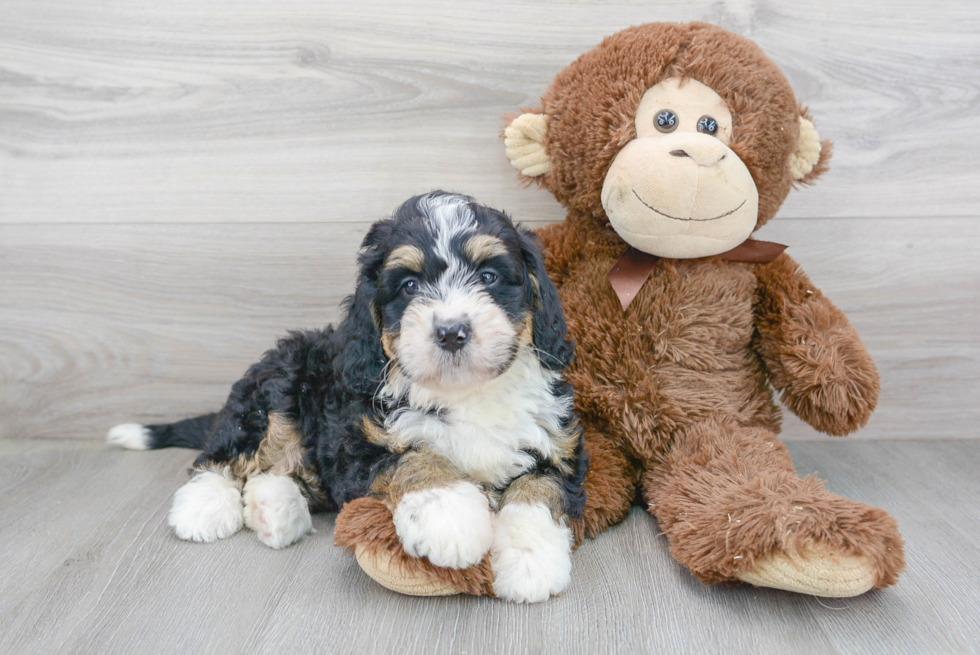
x=91, y=566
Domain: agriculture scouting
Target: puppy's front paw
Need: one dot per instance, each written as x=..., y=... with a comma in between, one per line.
x=276, y=509
x=208, y=507
x=449, y=525
x=531, y=555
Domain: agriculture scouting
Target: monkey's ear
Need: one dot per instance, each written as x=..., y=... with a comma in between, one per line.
x=524, y=140
x=810, y=158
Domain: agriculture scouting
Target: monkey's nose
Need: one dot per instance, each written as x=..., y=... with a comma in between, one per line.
x=703, y=149
x=452, y=337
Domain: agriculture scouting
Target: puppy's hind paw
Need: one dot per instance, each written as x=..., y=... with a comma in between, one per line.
x=531, y=555
x=207, y=508
x=276, y=509
x=450, y=526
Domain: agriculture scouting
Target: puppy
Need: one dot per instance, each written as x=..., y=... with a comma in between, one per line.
x=440, y=391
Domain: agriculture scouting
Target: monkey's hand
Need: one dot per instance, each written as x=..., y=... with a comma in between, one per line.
x=814, y=357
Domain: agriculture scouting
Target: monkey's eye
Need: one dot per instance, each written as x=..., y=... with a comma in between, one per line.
x=488, y=277
x=410, y=286
x=707, y=125
x=666, y=120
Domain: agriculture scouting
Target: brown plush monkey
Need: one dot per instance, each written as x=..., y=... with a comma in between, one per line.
x=669, y=144
x=672, y=143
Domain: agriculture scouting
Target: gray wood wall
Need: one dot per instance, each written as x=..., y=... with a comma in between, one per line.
x=181, y=181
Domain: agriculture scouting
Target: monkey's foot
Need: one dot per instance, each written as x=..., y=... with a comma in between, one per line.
x=365, y=527
x=815, y=570
x=384, y=568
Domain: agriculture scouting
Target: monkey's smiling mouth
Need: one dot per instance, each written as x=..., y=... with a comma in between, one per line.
x=678, y=218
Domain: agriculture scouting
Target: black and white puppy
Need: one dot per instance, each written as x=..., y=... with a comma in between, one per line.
x=440, y=391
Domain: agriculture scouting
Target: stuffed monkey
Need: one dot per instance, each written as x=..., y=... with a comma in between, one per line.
x=669, y=144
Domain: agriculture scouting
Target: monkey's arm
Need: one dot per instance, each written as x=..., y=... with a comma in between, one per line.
x=814, y=357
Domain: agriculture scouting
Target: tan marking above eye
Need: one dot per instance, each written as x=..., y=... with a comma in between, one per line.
x=410, y=257
x=482, y=247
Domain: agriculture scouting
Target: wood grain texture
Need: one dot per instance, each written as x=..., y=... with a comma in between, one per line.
x=93, y=567
x=101, y=324
x=127, y=111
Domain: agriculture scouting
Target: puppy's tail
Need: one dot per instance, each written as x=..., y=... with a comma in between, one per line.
x=189, y=433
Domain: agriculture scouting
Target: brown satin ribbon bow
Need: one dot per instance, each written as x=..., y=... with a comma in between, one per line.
x=634, y=267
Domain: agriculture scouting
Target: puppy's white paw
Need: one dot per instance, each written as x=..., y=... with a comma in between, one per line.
x=207, y=508
x=449, y=525
x=531, y=555
x=276, y=509
x=131, y=436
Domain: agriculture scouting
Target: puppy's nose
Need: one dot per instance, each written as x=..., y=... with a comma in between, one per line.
x=453, y=336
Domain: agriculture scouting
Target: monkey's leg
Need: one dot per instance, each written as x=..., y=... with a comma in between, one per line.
x=368, y=527
x=733, y=508
x=365, y=526
x=610, y=484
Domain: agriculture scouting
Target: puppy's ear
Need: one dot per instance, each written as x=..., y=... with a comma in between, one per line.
x=554, y=350
x=363, y=357
x=373, y=246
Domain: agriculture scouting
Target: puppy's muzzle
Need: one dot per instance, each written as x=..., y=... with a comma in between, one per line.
x=451, y=337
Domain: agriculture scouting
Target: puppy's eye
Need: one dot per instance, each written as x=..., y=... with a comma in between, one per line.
x=666, y=120
x=410, y=286
x=707, y=125
x=488, y=277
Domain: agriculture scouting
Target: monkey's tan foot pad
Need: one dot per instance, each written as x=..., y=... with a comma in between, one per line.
x=815, y=571
x=365, y=527
x=384, y=569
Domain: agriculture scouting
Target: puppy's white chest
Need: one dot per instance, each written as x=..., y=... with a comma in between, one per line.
x=491, y=435
x=491, y=452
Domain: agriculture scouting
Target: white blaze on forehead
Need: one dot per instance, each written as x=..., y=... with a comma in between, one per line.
x=449, y=216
